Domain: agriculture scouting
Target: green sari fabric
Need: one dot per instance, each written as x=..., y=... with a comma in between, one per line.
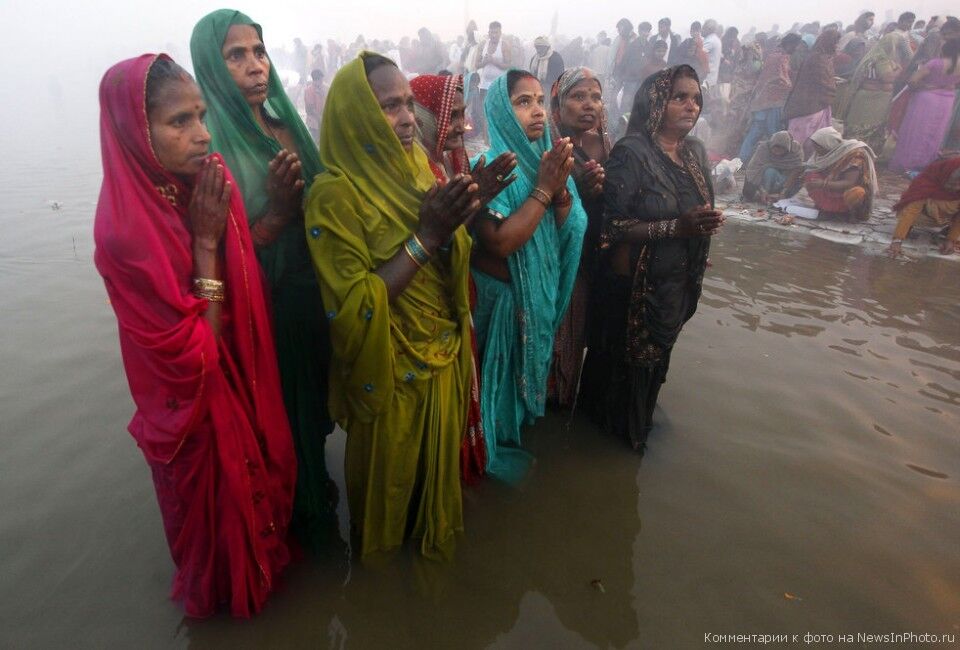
x=300, y=330
x=401, y=371
x=516, y=321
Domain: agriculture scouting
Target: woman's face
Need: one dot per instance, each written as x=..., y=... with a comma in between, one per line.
x=820, y=149
x=247, y=62
x=528, y=106
x=777, y=150
x=683, y=108
x=179, y=137
x=393, y=93
x=580, y=110
x=458, y=125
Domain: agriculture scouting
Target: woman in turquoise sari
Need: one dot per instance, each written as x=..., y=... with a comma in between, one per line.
x=525, y=261
x=258, y=132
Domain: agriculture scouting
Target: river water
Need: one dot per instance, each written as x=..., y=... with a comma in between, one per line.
x=804, y=475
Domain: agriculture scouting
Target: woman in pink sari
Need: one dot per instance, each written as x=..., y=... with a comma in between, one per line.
x=175, y=253
x=928, y=115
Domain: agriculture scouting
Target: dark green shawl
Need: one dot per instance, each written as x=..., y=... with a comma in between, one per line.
x=240, y=140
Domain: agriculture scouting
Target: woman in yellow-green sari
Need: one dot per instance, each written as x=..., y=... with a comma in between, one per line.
x=393, y=264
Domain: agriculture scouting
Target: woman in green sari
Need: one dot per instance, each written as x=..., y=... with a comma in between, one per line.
x=866, y=104
x=524, y=267
x=393, y=264
x=258, y=132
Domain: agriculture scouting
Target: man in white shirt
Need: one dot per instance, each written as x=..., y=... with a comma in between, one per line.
x=713, y=47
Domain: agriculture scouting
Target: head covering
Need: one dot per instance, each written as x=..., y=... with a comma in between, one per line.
x=764, y=157
x=360, y=147
x=827, y=42
x=236, y=134
x=434, y=103
x=646, y=118
x=562, y=87
x=930, y=183
x=838, y=149
x=540, y=63
x=174, y=362
x=543, y=270
x=884, y=52
x=650, y=102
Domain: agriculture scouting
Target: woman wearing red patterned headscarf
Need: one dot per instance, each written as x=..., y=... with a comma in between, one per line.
x=174, y=250
x=440, y=111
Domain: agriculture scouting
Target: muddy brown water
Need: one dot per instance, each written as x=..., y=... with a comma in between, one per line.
x=804, y=475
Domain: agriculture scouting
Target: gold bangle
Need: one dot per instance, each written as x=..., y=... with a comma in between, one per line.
x=211, y=297
x=422, y=247
x=411, y=254
x=539, y=195
x=207, y=284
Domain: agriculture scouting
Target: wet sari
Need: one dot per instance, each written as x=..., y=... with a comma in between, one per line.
x=209, y=417
x=516, y=320
x=637, y=318
x=401, y=370
x=570, y=339
x=434, y=102
x=301, y=336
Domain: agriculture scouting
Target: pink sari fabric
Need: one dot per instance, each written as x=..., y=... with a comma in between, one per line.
x=926, y=120
x=801, y=128
x=209, y=416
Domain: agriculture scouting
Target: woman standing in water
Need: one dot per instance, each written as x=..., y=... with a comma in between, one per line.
x=260, y=135
x=524, y=266
x=576, y=103
x=656, y=235
x=175, y=253
x=441, y=124
x=393, y=264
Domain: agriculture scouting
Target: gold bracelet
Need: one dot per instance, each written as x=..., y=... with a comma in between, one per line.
x=422, y=247
x=209, y=295
x=207, y=288
x=412, y=254
x=539, y=195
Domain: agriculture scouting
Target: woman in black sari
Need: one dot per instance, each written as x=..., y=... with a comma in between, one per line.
x=658, y=221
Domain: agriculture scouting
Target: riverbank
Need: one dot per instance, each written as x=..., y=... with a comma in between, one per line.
x=873, y=235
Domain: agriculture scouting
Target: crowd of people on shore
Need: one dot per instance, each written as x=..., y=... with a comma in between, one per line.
x=275, y=271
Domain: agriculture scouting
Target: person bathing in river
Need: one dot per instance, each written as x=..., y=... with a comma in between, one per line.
x=524, y=265
x=393, y=261
x=441, y=126
x=576, y=104
x=260, y=135
x=654, y=243
x=175, y=253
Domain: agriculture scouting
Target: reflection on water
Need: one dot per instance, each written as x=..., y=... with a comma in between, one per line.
x=802, y=477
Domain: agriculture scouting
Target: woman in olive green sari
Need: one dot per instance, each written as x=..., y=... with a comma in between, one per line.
x=256, y=129
x=393, y=264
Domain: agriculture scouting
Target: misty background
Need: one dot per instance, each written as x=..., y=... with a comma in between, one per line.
x=60, y=50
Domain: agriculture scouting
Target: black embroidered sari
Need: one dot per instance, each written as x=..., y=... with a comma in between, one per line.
x=636, y=319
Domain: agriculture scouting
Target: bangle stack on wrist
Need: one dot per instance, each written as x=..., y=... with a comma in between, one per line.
x=212, y=290
x=417, y=251
x=540, y=195
x=663, y=229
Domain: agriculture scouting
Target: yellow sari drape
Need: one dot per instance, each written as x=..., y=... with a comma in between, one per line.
x=400, y=375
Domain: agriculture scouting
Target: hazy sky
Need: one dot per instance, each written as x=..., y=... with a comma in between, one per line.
x=61, y=50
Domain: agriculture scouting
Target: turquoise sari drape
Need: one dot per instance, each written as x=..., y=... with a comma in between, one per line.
x=515, y=322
